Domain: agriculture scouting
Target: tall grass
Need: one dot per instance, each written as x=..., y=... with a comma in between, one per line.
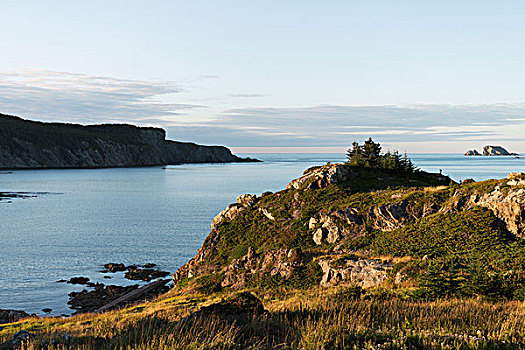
x=316, y=321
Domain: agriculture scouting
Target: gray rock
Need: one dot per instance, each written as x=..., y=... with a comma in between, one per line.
x=247, y=200
x=312, y=223
x=508, y=206
x=496, y=151
x=229, y=214
x=319, y=235
x=280, y=262
x=267, y=214
x=320, y=177
x=361, y=272
x=472, y=152
x=332, y=224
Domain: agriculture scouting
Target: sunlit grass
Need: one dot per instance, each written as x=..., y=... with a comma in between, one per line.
x=313, y=319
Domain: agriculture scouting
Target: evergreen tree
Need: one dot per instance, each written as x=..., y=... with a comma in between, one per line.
x=369, y=155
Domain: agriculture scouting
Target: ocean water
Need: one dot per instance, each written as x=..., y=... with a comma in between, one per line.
x=82, y=219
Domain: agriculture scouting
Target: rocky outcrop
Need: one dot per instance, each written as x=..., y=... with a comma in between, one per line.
x=27, y=145
x=508, y=206
x=280, y=262
x=114, y=267
x=9, y=316
x=234, y=209
x=506, y=201
x=472, y=152
x=391, y=216
x=320, y=177
x=194, y=266
x=496, y=151
x=354, y=272
x=516, y=179
x=334, y=225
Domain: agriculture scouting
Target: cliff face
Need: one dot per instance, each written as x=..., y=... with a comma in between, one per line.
x=27, y=145
x=345, y=226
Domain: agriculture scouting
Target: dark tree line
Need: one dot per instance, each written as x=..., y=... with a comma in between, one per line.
x=369, y=155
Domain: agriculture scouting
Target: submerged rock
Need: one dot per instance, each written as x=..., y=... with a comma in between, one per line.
x=115, y=267
x=78, y=280
x=147, y=275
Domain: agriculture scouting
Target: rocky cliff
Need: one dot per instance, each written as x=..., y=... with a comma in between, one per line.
x=491, y=151
x=472, y=152
x=27, y=144
x=496, y=151
x=339, y=225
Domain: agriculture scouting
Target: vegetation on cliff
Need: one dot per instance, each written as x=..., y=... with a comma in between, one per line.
x=369, y=155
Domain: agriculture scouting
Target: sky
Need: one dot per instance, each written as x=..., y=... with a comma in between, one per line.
x=274, y=76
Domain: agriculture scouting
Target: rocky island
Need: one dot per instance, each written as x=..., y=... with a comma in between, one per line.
x=26, y=144
x=371, y=253
x=491, y=151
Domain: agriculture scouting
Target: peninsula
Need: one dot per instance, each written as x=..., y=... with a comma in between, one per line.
x=26, y=144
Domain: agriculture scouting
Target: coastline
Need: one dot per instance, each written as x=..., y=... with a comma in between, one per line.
x=199, y=180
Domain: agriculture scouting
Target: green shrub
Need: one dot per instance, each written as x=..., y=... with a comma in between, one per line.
x=209, y=283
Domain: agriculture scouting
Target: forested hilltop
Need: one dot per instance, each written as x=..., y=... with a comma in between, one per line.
x=368, y=254
x=26, y=144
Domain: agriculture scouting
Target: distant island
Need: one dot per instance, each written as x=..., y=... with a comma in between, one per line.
x=491, y=151
x=26, y=144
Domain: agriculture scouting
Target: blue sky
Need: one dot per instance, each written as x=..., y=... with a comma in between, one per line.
x=274, y=76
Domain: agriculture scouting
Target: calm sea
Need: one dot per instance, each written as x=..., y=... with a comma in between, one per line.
x=81, y=219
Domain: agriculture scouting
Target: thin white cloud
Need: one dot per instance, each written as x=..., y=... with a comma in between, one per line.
x=50, y=95
x=72, y=97
x=338, y=126
x=246, y=95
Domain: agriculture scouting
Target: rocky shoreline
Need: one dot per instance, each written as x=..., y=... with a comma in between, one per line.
x=8, y=196
x=97, y=295
x=101, y=294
